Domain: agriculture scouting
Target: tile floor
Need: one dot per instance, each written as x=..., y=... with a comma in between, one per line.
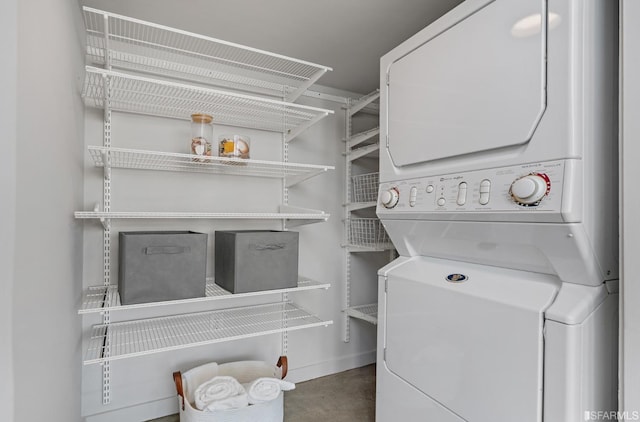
x=344, y=397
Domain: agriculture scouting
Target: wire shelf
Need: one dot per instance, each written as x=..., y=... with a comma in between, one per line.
x=368, y=233
x=310, y=217
x=156, y=49
x=153, y=160
x=97, y=299
x=122, y=340
x=364, y=187
x=363, y=151
x=364, y=101
x=137, y=94
x=361, y=137
x=367, y=313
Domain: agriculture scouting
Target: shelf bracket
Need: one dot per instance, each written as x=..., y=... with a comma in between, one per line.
x=106, y=162
x=106, y=222
x=363, y=102
x=359, y=138
x=294, y=180
x=297, y=131
x=302, y=88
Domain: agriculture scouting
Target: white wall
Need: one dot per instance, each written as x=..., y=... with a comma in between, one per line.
x=46, y=288
x=630, y=204
x=8, y=75
x=142, y=387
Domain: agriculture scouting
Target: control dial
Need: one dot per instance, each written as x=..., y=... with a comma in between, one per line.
x=529, y=190
x=390, y=197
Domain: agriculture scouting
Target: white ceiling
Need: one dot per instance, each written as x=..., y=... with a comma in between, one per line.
x=348, y=35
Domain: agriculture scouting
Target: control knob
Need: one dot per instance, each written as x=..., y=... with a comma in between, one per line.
x=390, y=197
x=529, y=190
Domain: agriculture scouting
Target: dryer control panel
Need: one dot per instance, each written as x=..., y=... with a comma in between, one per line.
x=499, y=194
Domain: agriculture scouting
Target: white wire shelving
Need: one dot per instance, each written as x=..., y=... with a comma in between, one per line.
x=361, y=234
x=291, y=173
x=367, y=313
x=97, y=299
x=143, y=95
x=145, y=68
x=294, y=216
x=361, y=137
x=367, y=150
x=146, y=336
x=146, y=47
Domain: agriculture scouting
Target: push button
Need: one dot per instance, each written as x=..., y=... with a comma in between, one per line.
x=485, y=190
x=413, y=195
x=441, y=202
x=462, y=193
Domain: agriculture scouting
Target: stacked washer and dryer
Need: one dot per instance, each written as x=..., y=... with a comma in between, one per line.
x=498, y=187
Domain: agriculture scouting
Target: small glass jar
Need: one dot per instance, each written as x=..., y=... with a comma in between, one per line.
x=234, y=146
x=201, y=135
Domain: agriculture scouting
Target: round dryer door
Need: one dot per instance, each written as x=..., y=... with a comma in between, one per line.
x=477, y=83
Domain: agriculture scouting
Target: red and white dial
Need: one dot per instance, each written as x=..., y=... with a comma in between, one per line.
x=390, y=198
x=529, y=190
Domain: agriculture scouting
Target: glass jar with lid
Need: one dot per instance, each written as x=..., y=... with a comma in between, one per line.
x=201, y=135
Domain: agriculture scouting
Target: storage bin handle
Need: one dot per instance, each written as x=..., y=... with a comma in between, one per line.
x=269, y=246
x=166, y=250
x=284, y=364
x=177, y=378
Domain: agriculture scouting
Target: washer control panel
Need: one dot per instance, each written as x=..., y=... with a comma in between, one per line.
x=528, y=187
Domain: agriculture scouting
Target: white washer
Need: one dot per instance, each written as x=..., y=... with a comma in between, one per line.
x=498, y=187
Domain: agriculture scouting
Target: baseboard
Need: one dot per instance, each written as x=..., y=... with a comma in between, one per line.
x=140, y=412
x=329, y=367
x=169, y=406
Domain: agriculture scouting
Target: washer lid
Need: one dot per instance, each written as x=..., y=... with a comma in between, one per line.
x=469, y=336
x=476, y=86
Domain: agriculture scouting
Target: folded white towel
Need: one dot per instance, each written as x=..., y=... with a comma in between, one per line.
x=220, y=392
x=266, y=389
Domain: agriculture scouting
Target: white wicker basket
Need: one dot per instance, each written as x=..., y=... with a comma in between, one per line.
x=244, y=372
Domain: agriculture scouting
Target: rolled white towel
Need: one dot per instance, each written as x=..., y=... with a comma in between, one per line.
x=195, y=377
x=220, y=392
x=266, y=389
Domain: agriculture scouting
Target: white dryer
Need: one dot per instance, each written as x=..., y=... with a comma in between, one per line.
x=498, y=187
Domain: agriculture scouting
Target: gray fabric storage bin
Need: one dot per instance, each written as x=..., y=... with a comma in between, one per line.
x=255, y=260
x=163, y=265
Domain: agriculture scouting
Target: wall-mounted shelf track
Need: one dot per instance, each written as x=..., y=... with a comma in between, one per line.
x=142, y=337
x=97, y=299
x=143, y=95
x=291, y=173
x=145, y=47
